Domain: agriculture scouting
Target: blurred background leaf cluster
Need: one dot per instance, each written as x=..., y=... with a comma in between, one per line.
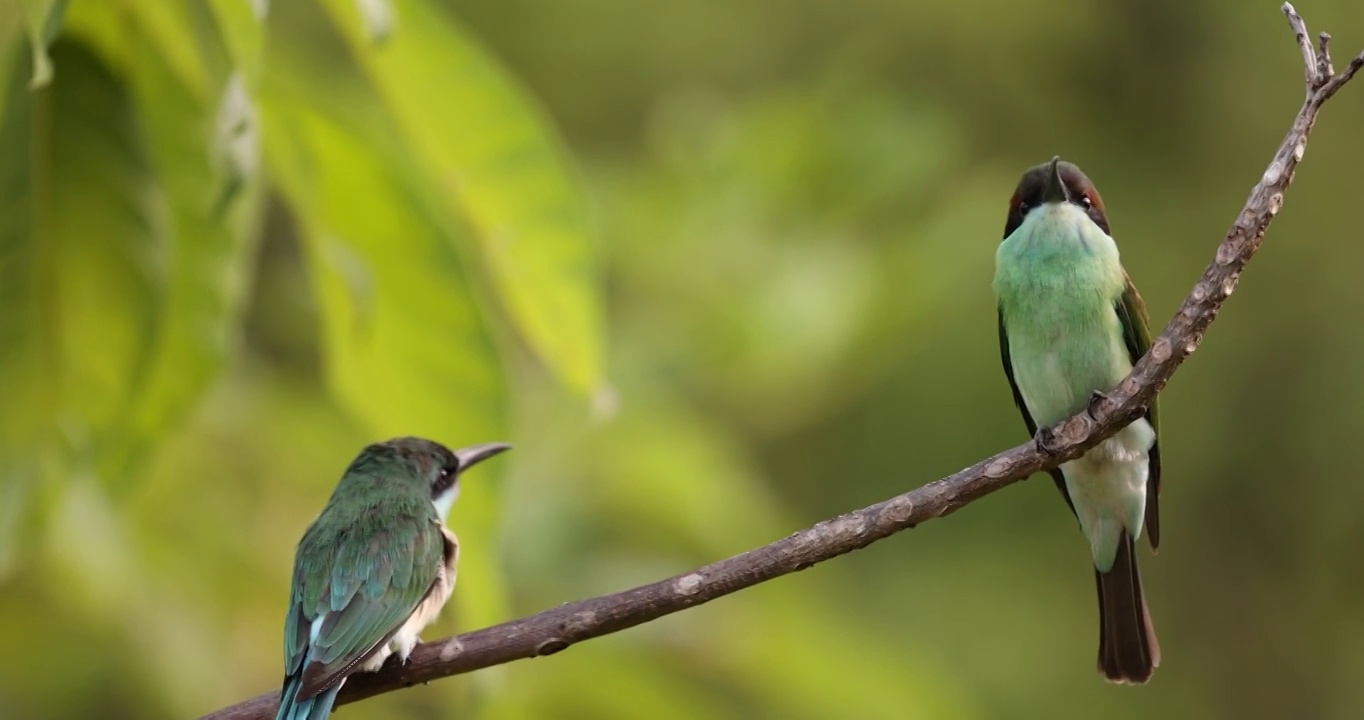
x=719, y=270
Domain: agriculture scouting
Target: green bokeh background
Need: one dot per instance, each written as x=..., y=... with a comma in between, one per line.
x=719, y=270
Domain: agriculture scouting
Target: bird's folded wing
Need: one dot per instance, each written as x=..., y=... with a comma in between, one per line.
x=1007, y=360
x=1136, y=334
x=363, y=589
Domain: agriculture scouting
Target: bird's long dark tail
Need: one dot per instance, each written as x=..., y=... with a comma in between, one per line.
x=317, y=707
x=1128, y=649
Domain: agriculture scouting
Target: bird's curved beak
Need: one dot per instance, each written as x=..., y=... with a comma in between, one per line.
x=1055, y=190
x=474, y=454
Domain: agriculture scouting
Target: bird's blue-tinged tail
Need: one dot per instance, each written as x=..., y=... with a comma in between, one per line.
x=317, y=707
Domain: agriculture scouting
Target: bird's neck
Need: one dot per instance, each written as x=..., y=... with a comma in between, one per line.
x=1062, y=230
x=445, y=500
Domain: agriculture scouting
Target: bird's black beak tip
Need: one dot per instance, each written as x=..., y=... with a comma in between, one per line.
x=1055, y=190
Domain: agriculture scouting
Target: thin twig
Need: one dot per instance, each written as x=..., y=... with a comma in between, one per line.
x=1310, y=62
x=1326, y=68
x=554, y=630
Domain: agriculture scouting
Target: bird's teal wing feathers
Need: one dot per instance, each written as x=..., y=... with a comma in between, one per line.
x=1023, y=407
x=364, y=581
x=1136, y=334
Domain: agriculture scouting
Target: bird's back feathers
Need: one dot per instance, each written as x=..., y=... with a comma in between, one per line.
x=356, y=582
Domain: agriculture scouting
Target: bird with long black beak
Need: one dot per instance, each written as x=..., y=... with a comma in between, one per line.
x=373, y=570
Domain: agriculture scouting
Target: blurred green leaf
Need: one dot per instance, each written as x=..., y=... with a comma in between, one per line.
x=19, y=321
x=176, y=32
x=702, y=493
x=44, y=21
x=236, y=131
x=405, y=345
x=12, y=41
x=25, y=415
x=105, y=576
x=83, y=273
x=235, y=148
x=209, y=235
x=377, y=16
x=203, y=150
x=499, y=166
x=240, y=26
x=787, y=196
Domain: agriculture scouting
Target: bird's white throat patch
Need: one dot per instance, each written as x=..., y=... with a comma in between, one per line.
x=446, y=499
x=1064, y=223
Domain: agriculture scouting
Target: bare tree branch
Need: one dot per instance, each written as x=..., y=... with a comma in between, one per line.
x=554, y=630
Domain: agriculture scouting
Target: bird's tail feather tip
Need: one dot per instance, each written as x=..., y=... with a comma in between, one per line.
x=1129, y=652
x=318, y=707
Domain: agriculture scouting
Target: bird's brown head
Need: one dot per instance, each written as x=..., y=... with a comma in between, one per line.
x=1052, y=182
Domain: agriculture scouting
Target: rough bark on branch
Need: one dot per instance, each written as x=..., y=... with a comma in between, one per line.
x=554, y=630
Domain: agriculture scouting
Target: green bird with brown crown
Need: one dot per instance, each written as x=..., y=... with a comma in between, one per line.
x=373, y=569
x=1071, y=326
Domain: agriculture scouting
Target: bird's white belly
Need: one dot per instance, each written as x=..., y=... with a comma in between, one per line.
x=1107, y=485
x=427, y=610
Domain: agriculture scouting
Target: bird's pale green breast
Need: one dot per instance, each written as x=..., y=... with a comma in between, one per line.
x=1057, y=279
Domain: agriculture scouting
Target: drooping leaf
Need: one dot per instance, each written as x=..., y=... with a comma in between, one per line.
x=405, y=345
x=179, y=37
x=236, y=132
x=200, y=137
x=44, y=21
x=12, y=51
x=96, y=220
x=242, y=31
x=404, y=342
x=236, y=142
x=25, y=415
x=498, y=167
x=79, y=273
x=209, y=236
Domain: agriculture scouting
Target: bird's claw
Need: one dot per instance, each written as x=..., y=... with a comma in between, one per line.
x=1045, y=440
x=415, y=642
x=1095, y=398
